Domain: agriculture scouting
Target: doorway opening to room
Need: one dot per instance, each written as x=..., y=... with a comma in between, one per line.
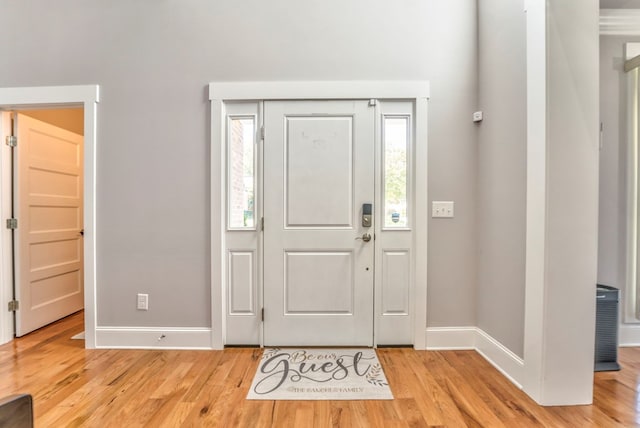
x=47, y=205
x=324, y=211
x=44, y=185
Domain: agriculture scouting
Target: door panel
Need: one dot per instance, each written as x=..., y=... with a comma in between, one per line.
x=319, y=158
x=319, y=170
x=241, y=295
x=330, y=292
x=48, y=205
x=395, y=282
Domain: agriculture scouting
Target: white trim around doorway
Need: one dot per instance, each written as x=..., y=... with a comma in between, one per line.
x=86, y=96
x=221, y=92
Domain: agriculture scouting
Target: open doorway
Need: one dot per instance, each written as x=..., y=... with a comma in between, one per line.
x=47, y=98
x=46, y=224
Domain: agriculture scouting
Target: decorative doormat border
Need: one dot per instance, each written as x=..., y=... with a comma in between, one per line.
x=319, y=374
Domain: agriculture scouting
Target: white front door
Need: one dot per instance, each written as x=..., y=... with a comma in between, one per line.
x=318, y=271
x=48, y=241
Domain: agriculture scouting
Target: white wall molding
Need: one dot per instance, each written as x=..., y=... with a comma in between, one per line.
x=153, y=338
x=474, y=338
x=308, y=90
x=508, y=363
x=629, y=335
x=449, y=338
x=620, y=22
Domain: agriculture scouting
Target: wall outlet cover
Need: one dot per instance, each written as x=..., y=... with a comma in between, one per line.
x=143, y=302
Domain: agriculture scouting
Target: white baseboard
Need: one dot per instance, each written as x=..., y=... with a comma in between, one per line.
x=502, y=358
x=498, y=355
x=449, y=338
x=153, y=338
x=629, y=335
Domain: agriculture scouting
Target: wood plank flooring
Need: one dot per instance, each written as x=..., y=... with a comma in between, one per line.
x=74, y=387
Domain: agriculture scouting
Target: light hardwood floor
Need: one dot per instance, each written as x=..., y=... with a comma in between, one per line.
x=128, y=388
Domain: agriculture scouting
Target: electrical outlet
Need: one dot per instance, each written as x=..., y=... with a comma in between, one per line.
x=442, y=209
x=143, y=302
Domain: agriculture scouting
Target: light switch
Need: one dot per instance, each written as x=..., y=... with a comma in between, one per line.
x=442, y=209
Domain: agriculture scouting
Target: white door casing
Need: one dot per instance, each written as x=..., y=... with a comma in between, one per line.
x=402, y=253
x=86, y=96
x=318, y=271
x=48, y=207
x=6, y=248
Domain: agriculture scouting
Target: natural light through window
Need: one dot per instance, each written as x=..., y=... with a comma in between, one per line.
x=395, y=146
x=241, y=143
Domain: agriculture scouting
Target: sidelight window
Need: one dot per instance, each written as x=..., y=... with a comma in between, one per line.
x=396, y=138
x=241, y=138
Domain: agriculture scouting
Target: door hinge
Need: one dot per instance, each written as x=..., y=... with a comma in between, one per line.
x=12, y=223
x=12, y=141
x=14, y=306
x=262, y=133
x=373, y=102
x=262, y=224
x=262, y=314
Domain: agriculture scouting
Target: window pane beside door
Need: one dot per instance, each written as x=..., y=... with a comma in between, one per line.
x=396, y=158
x=241, y=166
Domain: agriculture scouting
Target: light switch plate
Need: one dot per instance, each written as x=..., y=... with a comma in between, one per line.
x=442, y=209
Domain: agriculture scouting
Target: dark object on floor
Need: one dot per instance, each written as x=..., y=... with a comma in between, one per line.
x=16, y=411
x=606, y=356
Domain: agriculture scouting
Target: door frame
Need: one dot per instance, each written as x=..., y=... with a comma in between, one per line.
x=221, y=92
x=88, y=97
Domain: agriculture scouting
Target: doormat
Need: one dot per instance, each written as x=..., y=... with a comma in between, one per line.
x=319, y=374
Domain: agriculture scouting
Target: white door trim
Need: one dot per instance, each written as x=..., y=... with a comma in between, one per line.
x=88, y=96
x=221, y=92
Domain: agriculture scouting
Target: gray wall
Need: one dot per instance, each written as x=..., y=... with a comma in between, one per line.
x=502, y=168
x=612, y=228
x=450, y=49
x=153, y=61
x=619, y=4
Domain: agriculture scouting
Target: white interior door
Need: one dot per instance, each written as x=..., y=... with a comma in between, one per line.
x=318, y=271
x=48, y=205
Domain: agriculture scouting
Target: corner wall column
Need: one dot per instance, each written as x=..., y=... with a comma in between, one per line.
x=562, y=200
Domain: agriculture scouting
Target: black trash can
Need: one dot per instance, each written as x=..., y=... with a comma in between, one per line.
x=606, y=356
